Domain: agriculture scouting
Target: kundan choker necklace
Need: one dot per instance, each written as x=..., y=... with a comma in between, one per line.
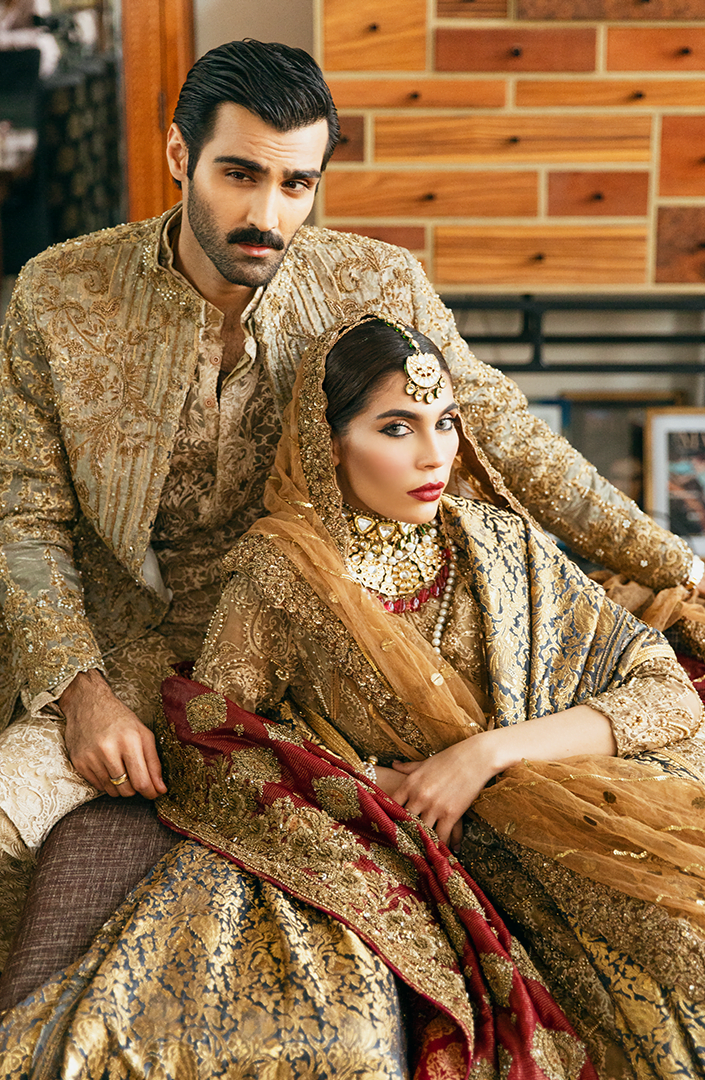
x=404, y=564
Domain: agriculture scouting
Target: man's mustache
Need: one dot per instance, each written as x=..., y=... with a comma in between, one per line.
x=256, y=238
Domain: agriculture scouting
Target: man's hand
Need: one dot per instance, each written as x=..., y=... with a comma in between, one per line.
x=105, y=739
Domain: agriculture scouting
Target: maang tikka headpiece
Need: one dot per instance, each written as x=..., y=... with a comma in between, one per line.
x=423, y=369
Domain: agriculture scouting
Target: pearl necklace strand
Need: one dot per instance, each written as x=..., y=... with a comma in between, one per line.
x=446, y=598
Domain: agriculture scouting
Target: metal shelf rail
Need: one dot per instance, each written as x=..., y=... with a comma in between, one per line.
x=534, y=308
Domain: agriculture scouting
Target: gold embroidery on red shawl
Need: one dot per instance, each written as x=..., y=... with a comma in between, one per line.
x=338, y=796
x=557, y=1053
x=206, y=711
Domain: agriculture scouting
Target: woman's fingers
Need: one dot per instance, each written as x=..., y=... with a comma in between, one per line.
x=407, y=767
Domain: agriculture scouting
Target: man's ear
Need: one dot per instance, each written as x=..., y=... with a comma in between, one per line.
x=177, y=154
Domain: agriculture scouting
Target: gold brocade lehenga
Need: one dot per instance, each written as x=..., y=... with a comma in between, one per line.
x=330, y=934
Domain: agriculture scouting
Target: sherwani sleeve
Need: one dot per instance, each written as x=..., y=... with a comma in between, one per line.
x=549, y=477
x=40, y=587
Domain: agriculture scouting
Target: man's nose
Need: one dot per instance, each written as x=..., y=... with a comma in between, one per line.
x=263, y=213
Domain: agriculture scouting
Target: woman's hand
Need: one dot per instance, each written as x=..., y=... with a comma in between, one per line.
x=441, y=788
x=389, y=780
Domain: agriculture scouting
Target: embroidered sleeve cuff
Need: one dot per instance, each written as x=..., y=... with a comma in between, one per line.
x=648, y=711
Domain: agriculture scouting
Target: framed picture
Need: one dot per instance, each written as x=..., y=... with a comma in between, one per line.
x=608, y=429
x=675, y=472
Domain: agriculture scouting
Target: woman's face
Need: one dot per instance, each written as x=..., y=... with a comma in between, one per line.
x=395, y=457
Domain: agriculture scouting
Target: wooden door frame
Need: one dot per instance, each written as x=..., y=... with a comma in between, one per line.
x=157, y=52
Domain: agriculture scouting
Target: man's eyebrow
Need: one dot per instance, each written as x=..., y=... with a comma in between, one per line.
x=256, y=167
x=230, y=159
x=302, y=174
x=408, y=414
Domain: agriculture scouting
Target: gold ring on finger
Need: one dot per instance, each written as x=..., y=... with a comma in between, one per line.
x=117, y=780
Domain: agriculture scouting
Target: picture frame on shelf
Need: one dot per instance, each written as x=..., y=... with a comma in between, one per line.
x=608, y=429
x=674, y=462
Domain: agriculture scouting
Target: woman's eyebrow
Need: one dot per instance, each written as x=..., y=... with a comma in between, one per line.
x=408, y=414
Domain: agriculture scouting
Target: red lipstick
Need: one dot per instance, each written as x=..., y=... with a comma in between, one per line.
x=427, y=493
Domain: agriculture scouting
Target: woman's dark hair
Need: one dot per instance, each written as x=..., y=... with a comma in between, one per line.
x=360, y=361
x=281, y=85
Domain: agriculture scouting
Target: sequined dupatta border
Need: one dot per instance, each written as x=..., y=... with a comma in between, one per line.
x=286, y=810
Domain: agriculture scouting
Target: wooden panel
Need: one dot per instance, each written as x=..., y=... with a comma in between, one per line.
x=423, y=193
x=177, y=39
x=610, y=9
x=517, y=49
x=539, y=255
x=641, y=93
x=372, y=36
x=412, y=237
x=664, y=48
x=521, y=138
x=680, y=252
x=417, y=93
x=616, y=194
x=471, y=9
x=157, y=51
x=683, y=155
x=351, y=146
x=142, y=60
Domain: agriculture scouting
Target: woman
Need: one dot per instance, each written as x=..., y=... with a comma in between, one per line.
x=420, y=643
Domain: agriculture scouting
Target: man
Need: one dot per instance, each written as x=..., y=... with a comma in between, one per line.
x=145, y=370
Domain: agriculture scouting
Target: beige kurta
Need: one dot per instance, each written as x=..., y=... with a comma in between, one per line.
x=223, y=449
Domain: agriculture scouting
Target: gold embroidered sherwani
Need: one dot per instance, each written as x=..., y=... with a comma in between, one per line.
x=123, y=476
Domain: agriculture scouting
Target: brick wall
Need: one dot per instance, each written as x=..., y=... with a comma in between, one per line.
x=544, y=145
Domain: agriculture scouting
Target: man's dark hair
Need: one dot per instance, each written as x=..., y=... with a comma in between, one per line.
x=281, y=85
x=360, y=361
